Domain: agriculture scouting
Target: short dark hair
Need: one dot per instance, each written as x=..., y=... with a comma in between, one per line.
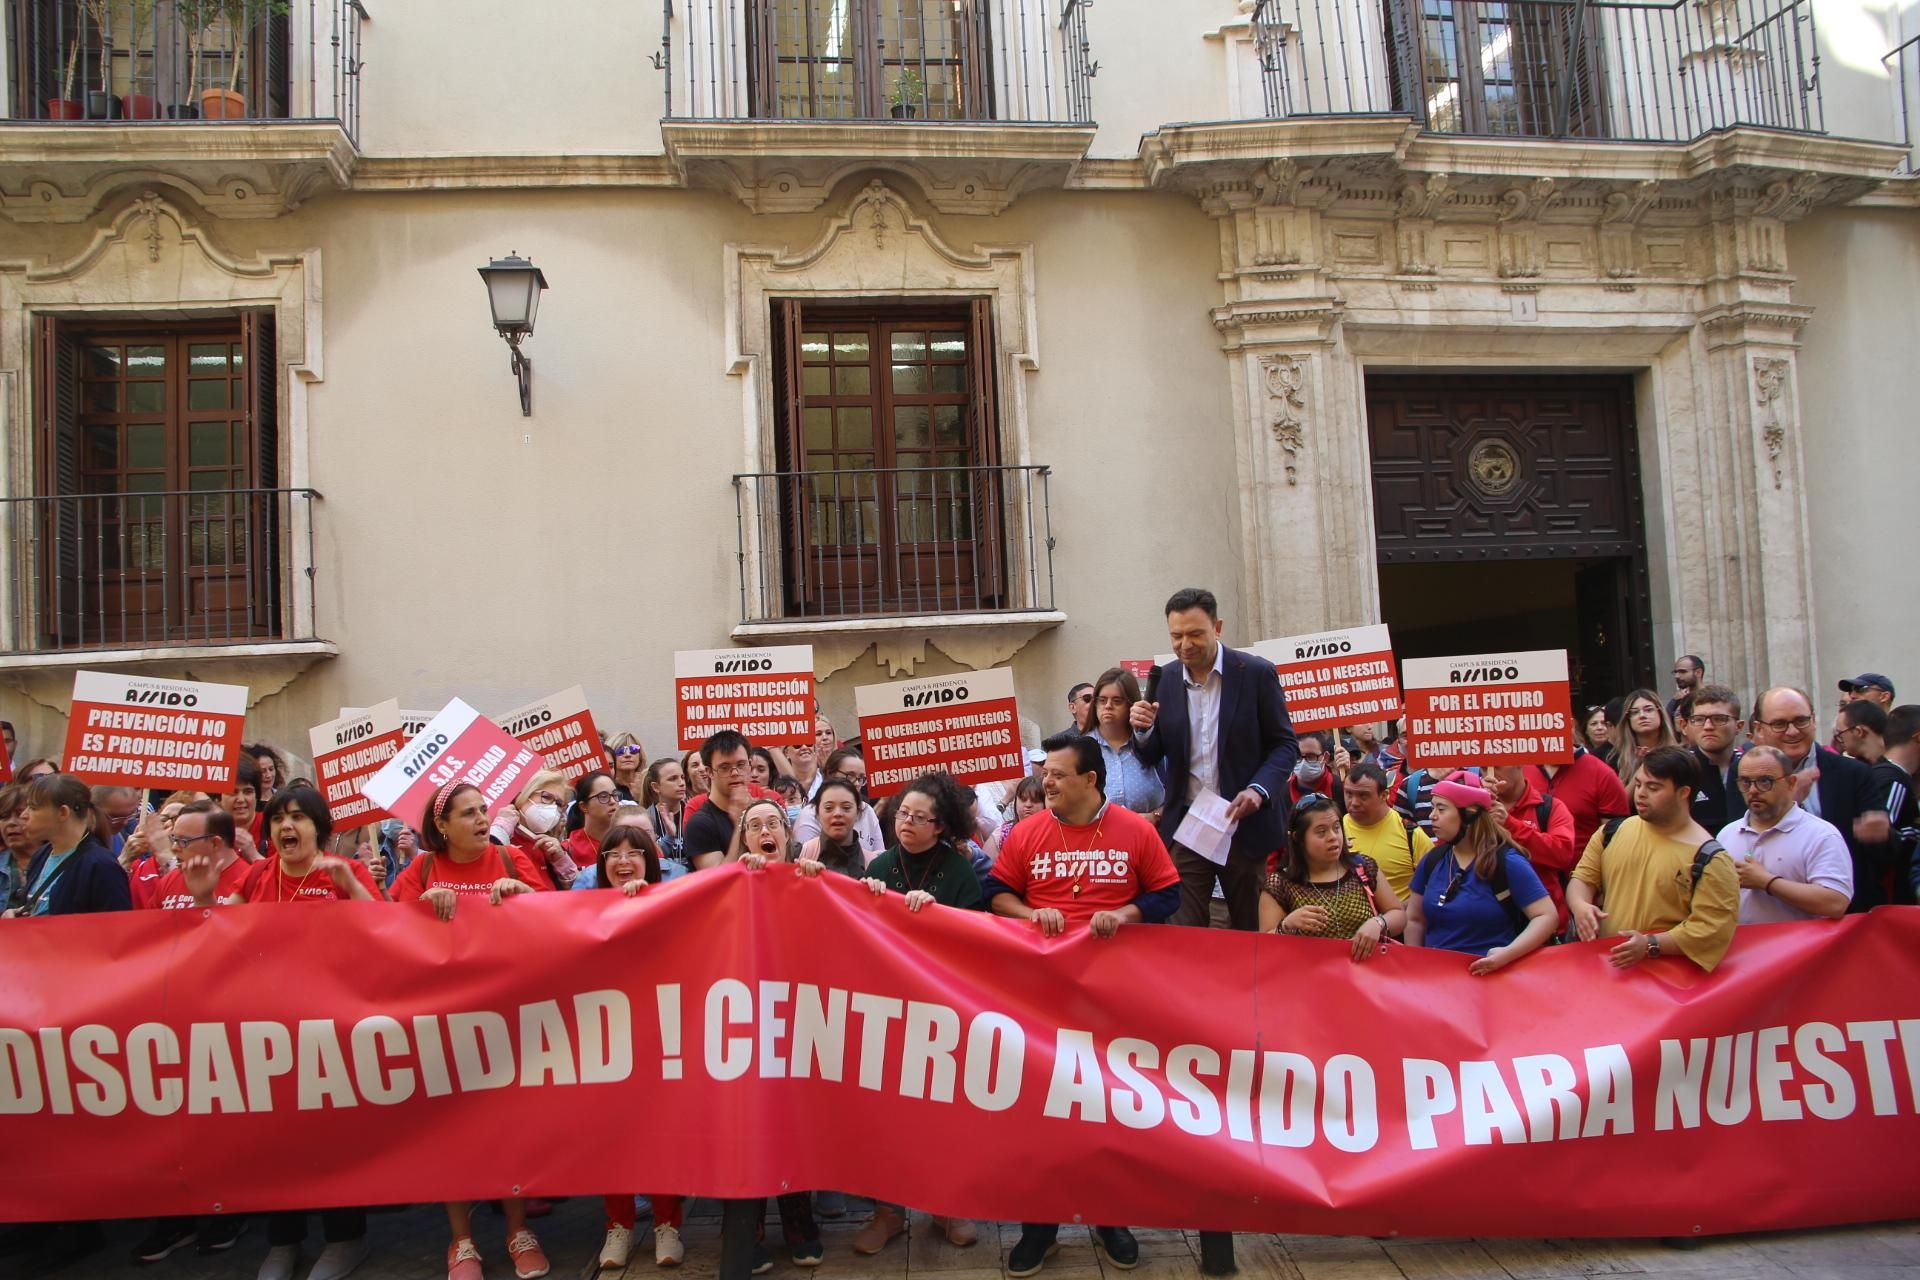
x=1672, y=764
x=627, y=833
x=950, y=808
x=311, y=803
x=1087, y=755
x=774, y=772
x=1193, y=598
x=1719, y=694
x=1320, y=736
x=1075, y=691
x=1862, y=714
x=1903, y=724
x=723, y=743
x=219, y=821
x=245, y=774
x=836, y=782
x=839, y=757
x=1698, y=663
x=1368, y=771
x=13, y=798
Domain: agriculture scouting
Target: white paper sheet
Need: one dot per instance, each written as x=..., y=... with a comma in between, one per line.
x=1206, y=829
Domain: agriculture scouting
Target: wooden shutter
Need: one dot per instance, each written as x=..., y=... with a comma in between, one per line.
x=260, y=353
x=269, y=84
x=992, y=490
x=56, y=398
x=790, y=456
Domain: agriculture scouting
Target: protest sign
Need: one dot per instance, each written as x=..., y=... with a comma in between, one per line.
x=411, y=722
x=347, y=753
x=141, y=731
x=1488, y=708
x=966, y=724
x=457, y=744
x=780, y=1032
x=6, y=763
x=1333, y=679
x=766, y=694
x=561, y=729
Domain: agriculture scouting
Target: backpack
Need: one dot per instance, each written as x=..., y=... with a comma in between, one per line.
x=1502, y=893
x=1701, y=856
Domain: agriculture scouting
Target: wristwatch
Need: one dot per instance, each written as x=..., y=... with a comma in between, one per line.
x=1653, y=945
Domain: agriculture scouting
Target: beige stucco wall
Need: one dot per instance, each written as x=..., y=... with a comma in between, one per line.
x=465, y=550
x=1860, y=269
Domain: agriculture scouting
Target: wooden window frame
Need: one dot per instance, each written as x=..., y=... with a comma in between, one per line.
x=1536, y=66
x=894, y=574
x=874, y=28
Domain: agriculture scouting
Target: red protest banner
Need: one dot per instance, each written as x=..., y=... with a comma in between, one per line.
x=966, y=724
x=6, y=763
x=1150, y=1077
x=458, y=743
x=561, y=729
x=1489, y=708
x=1336, y=678
x=141, y=731
x=766, y=694
x=347, y=753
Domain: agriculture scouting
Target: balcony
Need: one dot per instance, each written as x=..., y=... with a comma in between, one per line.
x=932, y=547
x=1614, y=70
x=978, y=100
x=146, y=573
x=1903, y=66
x=249, y=106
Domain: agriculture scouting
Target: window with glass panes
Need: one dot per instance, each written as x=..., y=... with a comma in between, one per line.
x=887, y=427
x=866, y=59
x=159, y=444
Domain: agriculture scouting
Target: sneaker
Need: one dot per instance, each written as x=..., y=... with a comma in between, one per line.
x=762, y=1260
x=162, y=1238
x=529, y=1263
x=613, y=1254
x=1119, y=1246
x=959, y=1232
x=1029, y=1255
x=463, y=1260
x=667, y=1249
x=283, y=1258
x=217, y=1235
x=829, y=1204
x=809, y=1253
x=337, y=1260
x=887, y=1223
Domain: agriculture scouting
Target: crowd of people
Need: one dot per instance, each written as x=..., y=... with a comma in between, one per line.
x=1675, y=822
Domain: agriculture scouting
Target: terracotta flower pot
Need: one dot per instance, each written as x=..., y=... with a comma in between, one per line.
x=142, y=107
x=222, y=104
x=66, y=109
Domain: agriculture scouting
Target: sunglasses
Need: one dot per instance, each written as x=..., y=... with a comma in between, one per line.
x=627, y=751
x=1312, y=801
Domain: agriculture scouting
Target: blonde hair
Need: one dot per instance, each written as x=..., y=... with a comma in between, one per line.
x=539, y=781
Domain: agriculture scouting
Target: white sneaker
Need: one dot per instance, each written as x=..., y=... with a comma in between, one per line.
x=337, y=1261
x=667, y=1249
x=613, y=1254
x=280, y=1262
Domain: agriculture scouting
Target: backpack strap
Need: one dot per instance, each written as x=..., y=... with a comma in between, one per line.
x=1702, y=857
x=1612, y=829
x=1432, y=859
x=1503, y=894
x=1542, y=812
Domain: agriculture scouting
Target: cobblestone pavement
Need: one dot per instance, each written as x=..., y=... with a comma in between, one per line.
x=411, y=1245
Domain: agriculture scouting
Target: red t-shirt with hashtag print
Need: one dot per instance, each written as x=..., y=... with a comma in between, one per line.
x=1110, y=861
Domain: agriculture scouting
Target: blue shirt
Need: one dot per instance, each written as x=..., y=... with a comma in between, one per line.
x=1472, y=920
x=1131, y=782
x=45, y=901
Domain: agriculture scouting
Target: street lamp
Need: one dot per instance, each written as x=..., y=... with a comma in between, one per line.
x=513, y=290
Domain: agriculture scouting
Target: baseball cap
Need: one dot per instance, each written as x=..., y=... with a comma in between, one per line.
x=1866, y=680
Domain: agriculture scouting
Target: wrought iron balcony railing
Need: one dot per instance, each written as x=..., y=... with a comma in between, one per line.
x=157, y=569
x=894, y=542
x=1628, y=70
x=1903, y=64
x=173, y=61
x=930, y=61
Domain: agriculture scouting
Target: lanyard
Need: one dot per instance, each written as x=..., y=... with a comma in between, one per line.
x=35, y=898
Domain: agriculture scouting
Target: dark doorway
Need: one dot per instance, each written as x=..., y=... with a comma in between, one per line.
x=1507, y=514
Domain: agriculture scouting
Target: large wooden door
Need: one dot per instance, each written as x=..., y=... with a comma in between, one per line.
x=1476, y=469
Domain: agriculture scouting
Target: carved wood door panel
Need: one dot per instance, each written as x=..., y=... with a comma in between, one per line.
x=1501, y=467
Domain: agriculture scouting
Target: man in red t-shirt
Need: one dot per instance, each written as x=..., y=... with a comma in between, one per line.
x=1083, y=861
x=201, y=828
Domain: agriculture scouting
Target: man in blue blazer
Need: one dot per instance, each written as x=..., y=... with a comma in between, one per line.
x=1219, y=723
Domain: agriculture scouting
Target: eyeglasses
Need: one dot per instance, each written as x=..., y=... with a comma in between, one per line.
x=628, y=751
x=732, y=766
x=604, y=797
x=1799, y=724
x=1717, y=720
x=913, y=819
x=766, y=824
x=1758, y=784
x=187, y=841
x=624, y=853
x=851, y=776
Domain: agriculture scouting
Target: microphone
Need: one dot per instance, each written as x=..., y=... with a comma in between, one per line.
x=1153, y=685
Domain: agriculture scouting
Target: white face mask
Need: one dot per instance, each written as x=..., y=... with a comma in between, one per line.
x=541, y=817
x=1309, y=770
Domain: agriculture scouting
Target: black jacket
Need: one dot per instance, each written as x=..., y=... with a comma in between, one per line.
x=93, y=882
x=1715, y=803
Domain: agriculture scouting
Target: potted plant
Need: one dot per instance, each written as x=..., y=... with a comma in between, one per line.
x=237, y=17
x=101, y=102
x=66, y=106
x=141, y=26
x=909, y=92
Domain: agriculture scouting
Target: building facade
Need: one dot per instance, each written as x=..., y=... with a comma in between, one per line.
x=932, y=333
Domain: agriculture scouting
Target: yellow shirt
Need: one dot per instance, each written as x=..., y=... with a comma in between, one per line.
x=1646, y=880
x=1396, y=851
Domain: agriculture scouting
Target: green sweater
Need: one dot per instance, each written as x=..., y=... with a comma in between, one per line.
x=942, y=872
